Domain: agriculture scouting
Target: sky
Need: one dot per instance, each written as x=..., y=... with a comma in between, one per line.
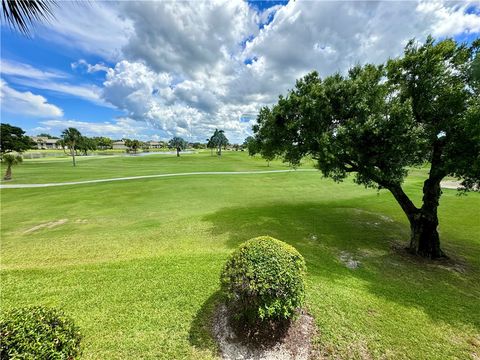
x=153, y=70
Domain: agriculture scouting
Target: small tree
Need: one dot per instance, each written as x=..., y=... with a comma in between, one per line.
x=218, y=140
x=132, y=145
x=71, y=137
x=13, y=138
x=177, y=143
x=380, y=120
x=10, y=160
x=103, y=142
x=86, y=144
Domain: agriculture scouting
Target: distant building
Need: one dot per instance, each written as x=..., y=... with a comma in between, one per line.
x=119, y=145
x=46, y=143
x=154, y=144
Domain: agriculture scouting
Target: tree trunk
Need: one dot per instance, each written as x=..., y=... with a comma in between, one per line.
x=424, y=238
x=73, y=156
x=220, y=150
x=8, y=173
x=178, y=152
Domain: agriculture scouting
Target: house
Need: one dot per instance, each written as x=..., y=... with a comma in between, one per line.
x=154, y=144
x=120, y=144
x=46, y=143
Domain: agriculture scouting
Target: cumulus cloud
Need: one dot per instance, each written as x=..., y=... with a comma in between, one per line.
x=194, y=39
x=118, y=129
x=186, y=68
x=26, y=103
x=83, y=64
x=92, y=26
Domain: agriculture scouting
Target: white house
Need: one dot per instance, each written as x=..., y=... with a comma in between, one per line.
x=46, y=143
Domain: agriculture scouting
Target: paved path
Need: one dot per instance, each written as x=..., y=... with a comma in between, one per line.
x=21, y=186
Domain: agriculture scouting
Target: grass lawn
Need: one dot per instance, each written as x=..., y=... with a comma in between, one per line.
x=137, y=263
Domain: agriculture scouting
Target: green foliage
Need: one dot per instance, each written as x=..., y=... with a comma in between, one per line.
x=178, y=144
x=10, y=159
x=378, y=121
x=71, y=138
x=264, y=280
x=13, y=138
x=38, y=333
x=218, y=140
x=86, y=144
x=133, y=145
x=103, y=142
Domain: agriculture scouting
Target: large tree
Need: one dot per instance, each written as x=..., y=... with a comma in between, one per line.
x=177, y=143
x=13, y=138
x=378, y=121
x=72, y=138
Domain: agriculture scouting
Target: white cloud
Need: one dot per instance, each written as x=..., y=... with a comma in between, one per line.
x=83, y=64
x=451, y=20
x=26, y=103
x=186, y=68
x=194, y=39
x=86, y=92
x=16, y=69
x=120, y=128
x=51, y=80
x=94, y=27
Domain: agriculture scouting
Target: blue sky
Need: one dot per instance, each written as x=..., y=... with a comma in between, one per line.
x=153, y=70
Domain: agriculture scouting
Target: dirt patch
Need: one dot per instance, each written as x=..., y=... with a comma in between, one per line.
x=349, y=260
x=292, y=343
x=47, y=225
x=450, y=263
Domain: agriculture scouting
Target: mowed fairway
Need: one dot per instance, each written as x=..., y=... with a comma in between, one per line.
x=136, y=263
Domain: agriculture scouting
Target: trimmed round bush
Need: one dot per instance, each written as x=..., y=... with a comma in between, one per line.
x=264, y=280
x=38, y=333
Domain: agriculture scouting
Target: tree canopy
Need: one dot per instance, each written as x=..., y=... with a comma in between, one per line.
x=13, y=138
x=178, y=144
x=71, y=138
x=133, y=145
x=218, y=140
x=10, y=160
x=379, y=120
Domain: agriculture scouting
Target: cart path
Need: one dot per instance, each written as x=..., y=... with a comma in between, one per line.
x=22, y=186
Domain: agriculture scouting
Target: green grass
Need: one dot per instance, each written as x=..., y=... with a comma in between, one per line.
x=104, y=167
x=137, y=263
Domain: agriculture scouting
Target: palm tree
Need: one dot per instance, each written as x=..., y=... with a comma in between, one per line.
x=22, y=14
x=72, y=137
x=10, y=160
x=177, y=143
x=218, y=140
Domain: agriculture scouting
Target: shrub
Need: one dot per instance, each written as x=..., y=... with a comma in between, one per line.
x=264, y=280
x=38, y=333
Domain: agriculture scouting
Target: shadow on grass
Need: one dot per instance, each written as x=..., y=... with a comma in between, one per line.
x=200, y=334
x=322, y=232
